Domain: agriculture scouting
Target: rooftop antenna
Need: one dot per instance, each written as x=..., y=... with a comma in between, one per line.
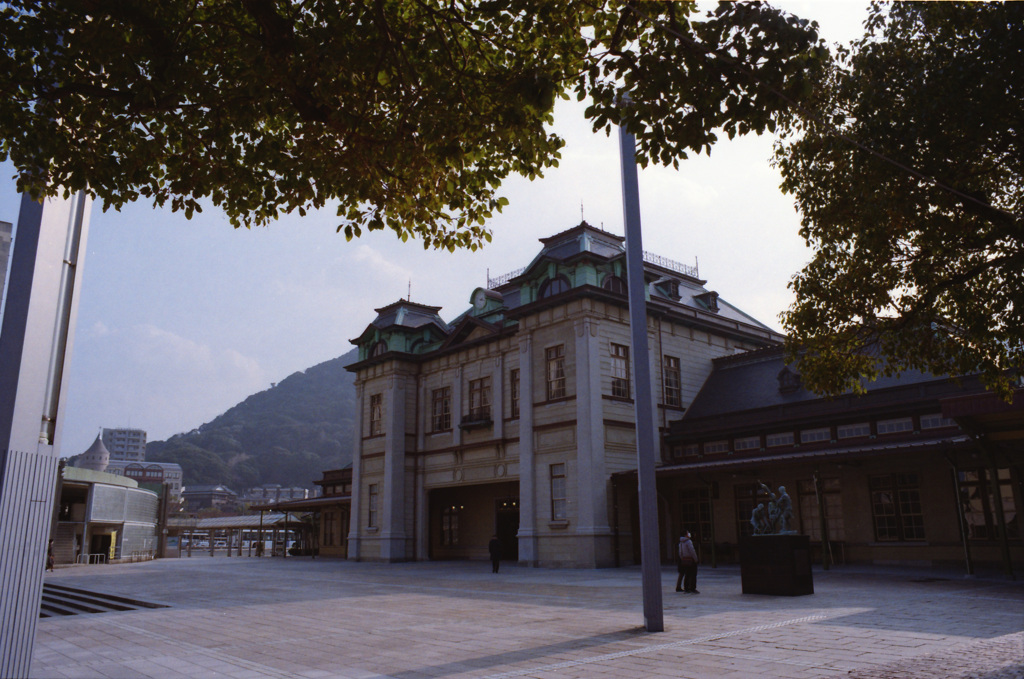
x=408, y=297
x=581, y=211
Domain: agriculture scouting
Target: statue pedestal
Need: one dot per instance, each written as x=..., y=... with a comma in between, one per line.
x=776, y=564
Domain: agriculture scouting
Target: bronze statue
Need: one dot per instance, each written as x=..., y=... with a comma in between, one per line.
x=776, y=519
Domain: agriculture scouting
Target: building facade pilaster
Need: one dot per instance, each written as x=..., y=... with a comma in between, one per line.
x=527, y=472
x=355, y=515
x=393, y=534
x=592, y=491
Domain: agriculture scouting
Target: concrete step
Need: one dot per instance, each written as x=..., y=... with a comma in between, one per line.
x=63, y=600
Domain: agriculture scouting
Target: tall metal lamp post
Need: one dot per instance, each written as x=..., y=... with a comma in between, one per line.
x=650, y=554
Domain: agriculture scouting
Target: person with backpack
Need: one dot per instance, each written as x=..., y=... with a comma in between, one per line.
x=687, y=566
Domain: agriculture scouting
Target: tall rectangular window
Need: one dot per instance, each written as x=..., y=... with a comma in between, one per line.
x=979, y=497
x=695, y=513
x=558, y=499
x=441, y=409
x=556, y=371
x=620, y=371
x=513, y=384
x=480, y=399
x=376, y=414
x=746, y=500
x=673, y=382
x=810, y=517
x=896, y=507
x=371, y=505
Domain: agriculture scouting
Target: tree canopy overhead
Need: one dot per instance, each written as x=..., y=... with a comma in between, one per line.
x=916, y=216
x=405, y=114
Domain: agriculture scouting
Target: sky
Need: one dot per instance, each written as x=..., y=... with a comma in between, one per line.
x=181, y=319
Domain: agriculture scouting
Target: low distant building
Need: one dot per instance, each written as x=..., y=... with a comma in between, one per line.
x=332, y=508
x=103, y=517
x=150, y=473
x=125, y=444
x=95, y=458
x=273, y=492
x=208, y=497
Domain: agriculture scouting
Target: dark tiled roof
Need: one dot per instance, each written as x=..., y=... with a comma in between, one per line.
x=750, y=381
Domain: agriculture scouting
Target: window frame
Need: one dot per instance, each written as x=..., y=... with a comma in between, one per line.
x=480, y=399
x=554, y=372
x=895, y=425
x=853, y=430
x=621, y=387
x=779, y=439
x=673, y=381
x=746, y=443
x=376, y=421
x=441, y=409
x=556, y=285
x=450, y=526
x=903, y=520
x=558, y=484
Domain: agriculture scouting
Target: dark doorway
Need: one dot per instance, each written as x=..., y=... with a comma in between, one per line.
x=100, y=544
x=506, y=527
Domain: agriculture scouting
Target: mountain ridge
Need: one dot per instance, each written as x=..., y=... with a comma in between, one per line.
x=287, y=434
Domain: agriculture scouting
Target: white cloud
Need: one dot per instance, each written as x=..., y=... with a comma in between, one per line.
x=154, y=379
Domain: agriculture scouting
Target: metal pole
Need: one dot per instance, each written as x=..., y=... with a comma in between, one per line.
x=826, y=550
x=961, y=521
x=997, y=499
x=711, y=523
x=650, y=555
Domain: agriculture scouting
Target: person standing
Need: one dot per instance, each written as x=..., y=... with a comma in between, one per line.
x=687, y=566
x=494, y=547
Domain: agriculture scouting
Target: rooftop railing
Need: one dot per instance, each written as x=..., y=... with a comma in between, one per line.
x=649, y=257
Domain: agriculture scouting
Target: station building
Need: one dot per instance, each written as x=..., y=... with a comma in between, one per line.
x=516, y=419
x=513, y=418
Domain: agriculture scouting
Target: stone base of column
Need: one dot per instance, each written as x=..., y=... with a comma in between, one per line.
x=393, y=548
x=527, y=549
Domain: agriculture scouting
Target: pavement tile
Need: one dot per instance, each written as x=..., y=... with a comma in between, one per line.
x=276, y=619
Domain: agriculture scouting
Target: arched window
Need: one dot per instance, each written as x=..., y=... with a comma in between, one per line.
x=553, y=286
x=379, y=348
x=614, y=284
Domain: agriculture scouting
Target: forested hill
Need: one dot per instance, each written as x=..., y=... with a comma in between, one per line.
x=287, y=434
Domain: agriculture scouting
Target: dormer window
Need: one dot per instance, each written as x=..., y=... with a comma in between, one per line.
x=378, y=349
x=789, y=381
x=670, y=288
x=709, y=300
x=614, y=284
x=554, y=286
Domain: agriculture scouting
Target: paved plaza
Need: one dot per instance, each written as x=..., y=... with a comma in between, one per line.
x=252, y=618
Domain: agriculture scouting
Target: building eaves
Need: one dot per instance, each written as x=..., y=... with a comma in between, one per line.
x=939, y=444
